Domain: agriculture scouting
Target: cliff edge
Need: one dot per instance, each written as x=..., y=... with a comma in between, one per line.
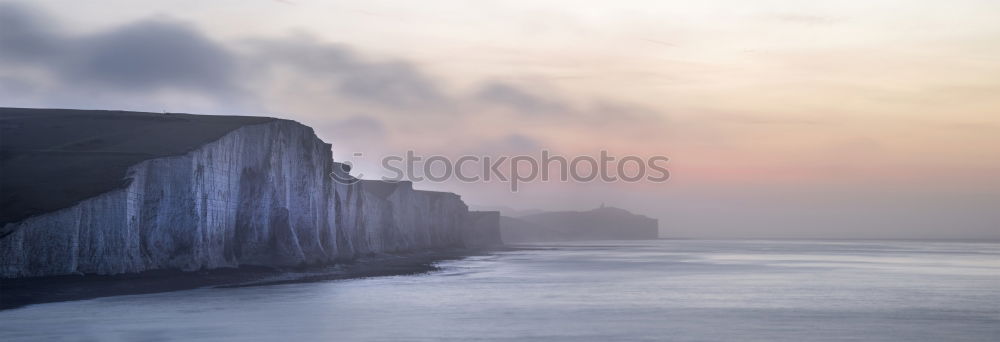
x=100, y=192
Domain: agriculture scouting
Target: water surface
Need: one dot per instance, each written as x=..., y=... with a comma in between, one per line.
x=678, y=290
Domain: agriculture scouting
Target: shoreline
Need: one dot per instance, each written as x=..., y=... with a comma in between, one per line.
x=17, y=293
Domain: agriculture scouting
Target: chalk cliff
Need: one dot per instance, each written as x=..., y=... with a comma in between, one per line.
x=254, y=192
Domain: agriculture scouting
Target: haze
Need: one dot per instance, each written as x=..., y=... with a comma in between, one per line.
x=782, y=119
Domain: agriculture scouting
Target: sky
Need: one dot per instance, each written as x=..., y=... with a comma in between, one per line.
x=781, y=118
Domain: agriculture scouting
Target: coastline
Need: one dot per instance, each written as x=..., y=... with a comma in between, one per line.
x=21, y=292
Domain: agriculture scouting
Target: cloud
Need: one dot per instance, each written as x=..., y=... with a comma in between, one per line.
x=165, y=64
x=508, y=145
x=520, y=142
x=360, y=127
x=157, y=54
x=392, y=83
x=24, y=35
x=142, y=56
x=519, y=99
x=803, y=19
x=760, y=119
x=15, y=86
x=151, y=54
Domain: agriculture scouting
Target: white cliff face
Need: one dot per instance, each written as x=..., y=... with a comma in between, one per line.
x=260, y=195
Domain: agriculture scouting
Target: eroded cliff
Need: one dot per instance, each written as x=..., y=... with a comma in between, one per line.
x=258, y=195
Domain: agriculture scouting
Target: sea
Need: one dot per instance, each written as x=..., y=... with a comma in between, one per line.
x=656, y=290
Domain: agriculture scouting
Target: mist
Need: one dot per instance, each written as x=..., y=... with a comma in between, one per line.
x=810, y=134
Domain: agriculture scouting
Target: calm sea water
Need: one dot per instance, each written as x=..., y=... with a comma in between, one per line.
x=597, y=291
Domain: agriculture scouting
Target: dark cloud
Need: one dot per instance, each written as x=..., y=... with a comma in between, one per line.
x=519, y=99
x=25, y=35
x=156, y=54
x=126, y=62
x=151, y=54
x=146, y=55
x=393, y=83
